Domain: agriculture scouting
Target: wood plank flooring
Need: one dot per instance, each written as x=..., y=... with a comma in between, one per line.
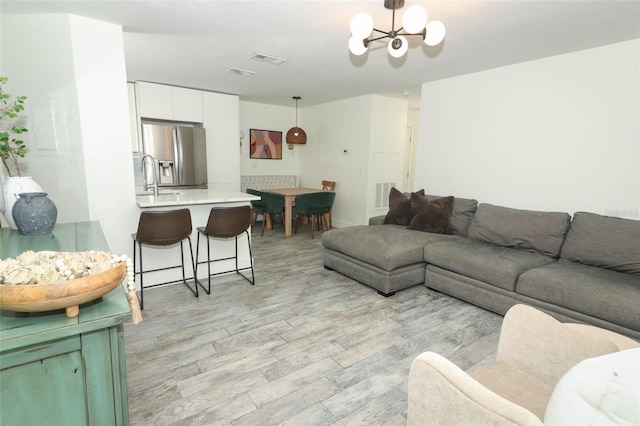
x=305, y=346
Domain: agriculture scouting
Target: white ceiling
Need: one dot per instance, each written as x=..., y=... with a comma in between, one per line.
x=194, y=43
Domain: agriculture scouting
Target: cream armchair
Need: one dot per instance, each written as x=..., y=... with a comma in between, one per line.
x=534, y=352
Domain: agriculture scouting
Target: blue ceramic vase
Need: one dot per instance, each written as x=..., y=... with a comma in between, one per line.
x=34, y=213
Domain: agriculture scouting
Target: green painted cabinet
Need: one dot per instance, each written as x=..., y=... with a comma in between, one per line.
x=56, y=370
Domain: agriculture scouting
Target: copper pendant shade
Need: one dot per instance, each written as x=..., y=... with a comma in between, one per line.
x=295, y=135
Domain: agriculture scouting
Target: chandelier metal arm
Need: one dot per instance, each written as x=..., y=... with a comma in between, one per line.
x=393, y=34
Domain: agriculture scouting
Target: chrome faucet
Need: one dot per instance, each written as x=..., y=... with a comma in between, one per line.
x=154, y=185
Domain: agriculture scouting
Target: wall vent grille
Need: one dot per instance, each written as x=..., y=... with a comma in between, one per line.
x=382, y=194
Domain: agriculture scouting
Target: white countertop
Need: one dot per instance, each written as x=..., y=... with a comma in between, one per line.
x=190, y=197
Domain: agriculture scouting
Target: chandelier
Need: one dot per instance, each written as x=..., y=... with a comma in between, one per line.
x=414, y=23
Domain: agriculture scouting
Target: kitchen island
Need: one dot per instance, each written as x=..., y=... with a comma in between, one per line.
x=192, y=197
x=199, y=202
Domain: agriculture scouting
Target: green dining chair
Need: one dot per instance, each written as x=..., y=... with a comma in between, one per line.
x=269, y=204
x=314, y=206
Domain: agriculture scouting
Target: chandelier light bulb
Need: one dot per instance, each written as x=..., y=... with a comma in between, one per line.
x=414, y=19
x=435, y=33
x=397, y=46
x=361, y=25
x=356, y=45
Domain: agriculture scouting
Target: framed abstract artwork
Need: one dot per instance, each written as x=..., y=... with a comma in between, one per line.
x=266, y=144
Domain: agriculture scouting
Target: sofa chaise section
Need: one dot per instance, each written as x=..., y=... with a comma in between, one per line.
x=386, y=257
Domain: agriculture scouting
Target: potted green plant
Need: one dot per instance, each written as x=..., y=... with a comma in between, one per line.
x=12, y=148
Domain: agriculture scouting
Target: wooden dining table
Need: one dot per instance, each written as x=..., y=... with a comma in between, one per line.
x=289, y=195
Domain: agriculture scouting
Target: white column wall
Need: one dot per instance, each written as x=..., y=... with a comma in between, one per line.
x=72, y=71
x=37, y=57
x=560, y=133
x=105, y=128
x=221, y=121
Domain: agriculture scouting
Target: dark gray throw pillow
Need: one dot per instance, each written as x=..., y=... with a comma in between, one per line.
x=431, y=216
x=399, y=208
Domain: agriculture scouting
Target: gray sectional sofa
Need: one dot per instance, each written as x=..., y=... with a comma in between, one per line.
x=585, y=268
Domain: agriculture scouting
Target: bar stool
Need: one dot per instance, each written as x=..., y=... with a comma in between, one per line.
x=223, y=223
x=163, y=229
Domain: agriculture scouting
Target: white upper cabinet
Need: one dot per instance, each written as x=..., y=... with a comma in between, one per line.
x=154, y=100
x=187, y=104
x=168, y=102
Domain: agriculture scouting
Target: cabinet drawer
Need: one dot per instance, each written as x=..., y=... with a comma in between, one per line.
x=27, y=354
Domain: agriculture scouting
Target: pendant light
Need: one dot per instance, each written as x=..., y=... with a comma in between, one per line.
x=295, y=135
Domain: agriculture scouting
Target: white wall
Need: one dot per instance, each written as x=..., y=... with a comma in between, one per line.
x=331, y=128
x=368, y=127
x=72, y=71
x=55, y=153
x=269, y=117
x=388, y=130
x=560, y=133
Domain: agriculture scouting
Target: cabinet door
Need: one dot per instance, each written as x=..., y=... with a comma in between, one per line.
x=187, y=105
x=154, y=100
x=44, y=392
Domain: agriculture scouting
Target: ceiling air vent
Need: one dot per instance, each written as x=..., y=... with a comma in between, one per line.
x=244, y=73
x=267, y=58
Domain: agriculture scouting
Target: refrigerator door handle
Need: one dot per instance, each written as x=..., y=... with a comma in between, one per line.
x=179, y=154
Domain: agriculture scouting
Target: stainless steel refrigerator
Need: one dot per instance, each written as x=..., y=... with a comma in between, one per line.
x=179, y=153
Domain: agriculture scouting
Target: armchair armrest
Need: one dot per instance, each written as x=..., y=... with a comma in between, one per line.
x=439, y=392
x=543, y=347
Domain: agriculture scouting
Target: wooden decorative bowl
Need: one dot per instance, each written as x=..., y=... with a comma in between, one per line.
x=69, y=294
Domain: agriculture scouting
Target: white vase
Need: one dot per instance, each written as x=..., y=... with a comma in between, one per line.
x=13, y=186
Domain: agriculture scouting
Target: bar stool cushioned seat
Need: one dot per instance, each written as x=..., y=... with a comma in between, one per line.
x=223, y=223
x=163, y=229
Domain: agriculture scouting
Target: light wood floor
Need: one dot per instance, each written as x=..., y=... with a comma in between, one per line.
x=305, y=346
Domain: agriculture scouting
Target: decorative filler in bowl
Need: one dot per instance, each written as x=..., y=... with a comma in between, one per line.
x=46, y=281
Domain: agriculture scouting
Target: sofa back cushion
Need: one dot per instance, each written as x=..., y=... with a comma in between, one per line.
x=461, y=215
x=542, y=232
x=603, y=241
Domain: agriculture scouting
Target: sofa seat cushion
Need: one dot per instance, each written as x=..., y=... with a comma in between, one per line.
x=528, y=230
x=387, y=247
x=495, y=265
x=574, y=286
x=607, y=242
